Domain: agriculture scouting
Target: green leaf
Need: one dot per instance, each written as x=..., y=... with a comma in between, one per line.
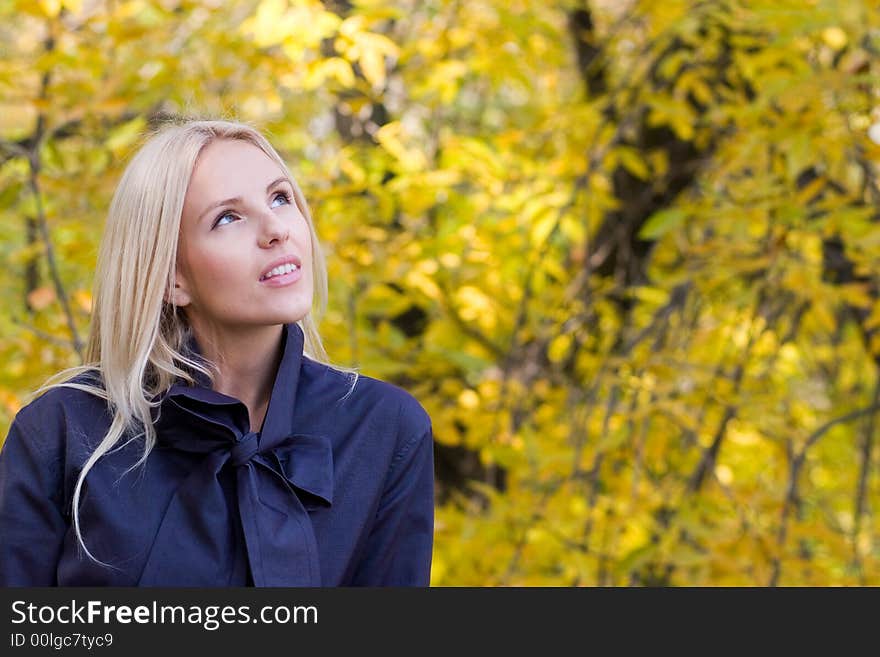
x=660, y=223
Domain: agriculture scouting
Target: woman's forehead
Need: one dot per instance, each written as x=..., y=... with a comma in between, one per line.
x=229, y=161
x=228, y=169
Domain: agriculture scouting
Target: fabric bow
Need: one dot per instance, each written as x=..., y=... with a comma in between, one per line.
x=277, y=473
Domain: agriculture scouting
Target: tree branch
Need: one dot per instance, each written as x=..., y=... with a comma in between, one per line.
x=42, y=224
x=862, y=487
x=797, y=462
x=43, y=335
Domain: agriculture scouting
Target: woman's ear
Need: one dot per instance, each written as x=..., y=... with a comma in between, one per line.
x=179, y=295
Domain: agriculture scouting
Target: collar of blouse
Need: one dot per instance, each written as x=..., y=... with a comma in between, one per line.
x=278, y=471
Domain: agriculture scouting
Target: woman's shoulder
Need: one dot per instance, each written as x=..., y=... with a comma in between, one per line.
x=410, y=412
x=64, y=401
x=56, y=428
x=357, y=390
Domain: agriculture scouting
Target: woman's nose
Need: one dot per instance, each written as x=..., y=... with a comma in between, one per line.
x=273, y=229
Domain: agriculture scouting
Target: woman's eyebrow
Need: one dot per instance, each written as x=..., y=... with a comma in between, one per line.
x=237, y=199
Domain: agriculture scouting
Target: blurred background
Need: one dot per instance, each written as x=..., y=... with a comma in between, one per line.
x=625, y=252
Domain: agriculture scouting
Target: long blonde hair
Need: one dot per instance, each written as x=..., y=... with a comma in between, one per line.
x=137, y=338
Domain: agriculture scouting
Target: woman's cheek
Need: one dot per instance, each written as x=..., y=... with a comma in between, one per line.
x=214, y=274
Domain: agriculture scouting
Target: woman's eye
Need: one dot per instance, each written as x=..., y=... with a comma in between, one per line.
x=222, y=219
x=226, y=215
x=283, y=197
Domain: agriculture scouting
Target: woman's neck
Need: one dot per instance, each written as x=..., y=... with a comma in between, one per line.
x=248, y=362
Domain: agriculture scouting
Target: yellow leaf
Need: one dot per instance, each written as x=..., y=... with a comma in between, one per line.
x=873, y=320
x=269, y=25
x=125, y=135
x=83, y=299
x=823, y=316
x=701, y=91
x=333, y=67
x=468, y=399
x=683, y=127
x=473, y=302
x=373, y=65
x=810, y=190
x=835, y=37
x=50, y=8
x=724, y=474
x=423, y=283
x=559, y=347
x=542, y=227
x=631, y=160
x=573, y=228
x=857, y=294
x=450, y=260
x=370, y=51
x=391, y=136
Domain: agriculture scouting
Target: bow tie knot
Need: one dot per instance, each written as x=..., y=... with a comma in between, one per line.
x=291, y=469
x=244, y=449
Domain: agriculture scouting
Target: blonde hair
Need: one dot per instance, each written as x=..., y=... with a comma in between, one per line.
x=137, y=338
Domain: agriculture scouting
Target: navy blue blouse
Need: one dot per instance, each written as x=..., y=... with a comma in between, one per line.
x=336, y=489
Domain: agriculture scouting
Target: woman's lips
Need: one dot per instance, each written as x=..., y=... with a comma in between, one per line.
x=283, y=280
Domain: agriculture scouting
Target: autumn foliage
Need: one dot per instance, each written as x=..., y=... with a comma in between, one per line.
x=624, y=252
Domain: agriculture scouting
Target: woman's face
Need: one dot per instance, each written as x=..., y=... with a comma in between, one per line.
x=244, y=256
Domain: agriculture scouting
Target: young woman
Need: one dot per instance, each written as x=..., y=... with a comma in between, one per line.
x=207, y=441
